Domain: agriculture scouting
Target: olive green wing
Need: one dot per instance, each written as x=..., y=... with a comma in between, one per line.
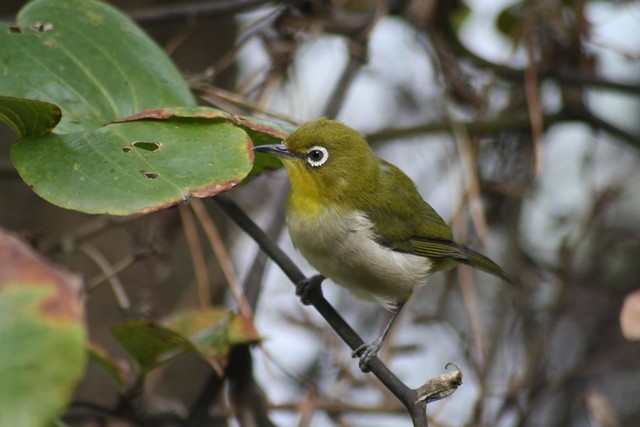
x=397, y=210
x=449, y=250
x=404, y=222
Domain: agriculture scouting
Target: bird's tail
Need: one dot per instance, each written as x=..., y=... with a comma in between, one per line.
x=479, y=261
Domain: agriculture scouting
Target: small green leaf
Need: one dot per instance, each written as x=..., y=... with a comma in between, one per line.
x=209, y=333
x=42, y=332
x=212, y=332
x=27, y=117
x=150, y=344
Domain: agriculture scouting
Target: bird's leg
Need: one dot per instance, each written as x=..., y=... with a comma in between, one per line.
x=306, y=287
x=366, y=352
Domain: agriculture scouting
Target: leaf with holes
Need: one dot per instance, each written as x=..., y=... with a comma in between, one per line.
x=260, y=131
x=135, y=167
x=96, y=66
x=42, y=356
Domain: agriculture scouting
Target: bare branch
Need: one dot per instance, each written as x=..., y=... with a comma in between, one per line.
x=415, y=403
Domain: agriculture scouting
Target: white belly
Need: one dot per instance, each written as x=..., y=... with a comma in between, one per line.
x=341, y=247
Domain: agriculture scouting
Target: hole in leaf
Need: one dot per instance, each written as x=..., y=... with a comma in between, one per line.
x=150, y=175
x=15, y=30
x=126, y=149
x=147, y=145
x=41, y=26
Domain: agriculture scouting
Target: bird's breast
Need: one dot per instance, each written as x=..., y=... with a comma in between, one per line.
x=341, y=245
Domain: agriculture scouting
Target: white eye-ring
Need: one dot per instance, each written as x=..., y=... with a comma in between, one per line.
x=317, y=156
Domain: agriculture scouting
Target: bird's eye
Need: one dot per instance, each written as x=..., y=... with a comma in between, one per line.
x=317, y=156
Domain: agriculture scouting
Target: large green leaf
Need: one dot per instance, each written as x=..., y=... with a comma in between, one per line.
x=90, y=60
x=135, y=167
x=130, y=139
x=42, y=336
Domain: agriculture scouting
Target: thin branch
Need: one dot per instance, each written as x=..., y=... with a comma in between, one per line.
x=212, y=94
x=608, y=127
x=494, y=125
x=356, y=61
x=209, y=392
x=197, y=256
x=471, y=302
x=573, y=77
x=357, y=58
x=182, y=11
x=471, y=179
x=215, y=241
x=414, y=403
x=532, y=92
x=118, y=267
x=116, y=286
x=252, y=282
x=68, y=241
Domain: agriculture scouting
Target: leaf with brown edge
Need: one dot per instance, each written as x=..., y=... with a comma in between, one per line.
x=135, y=167
x=213, y=332
x=42, y=331
x=261, y=131
x=95, y=64
x=210, y=333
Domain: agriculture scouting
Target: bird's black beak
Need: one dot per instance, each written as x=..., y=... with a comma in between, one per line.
x=278, y=150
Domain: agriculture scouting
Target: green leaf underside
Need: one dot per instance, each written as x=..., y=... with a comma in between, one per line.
x=149, y=344
x=42, y=355
x=88, y=59
x=116, y=169
x=209, y=333
x=28, y=117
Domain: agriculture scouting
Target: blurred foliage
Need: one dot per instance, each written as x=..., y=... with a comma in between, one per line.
x=42, y=333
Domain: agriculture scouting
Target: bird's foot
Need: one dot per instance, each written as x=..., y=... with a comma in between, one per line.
x=366, y=352
x=306, y=287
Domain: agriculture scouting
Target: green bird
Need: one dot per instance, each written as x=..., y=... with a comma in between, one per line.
x=361, y=222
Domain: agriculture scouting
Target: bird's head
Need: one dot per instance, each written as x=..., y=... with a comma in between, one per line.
x=325, y=159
